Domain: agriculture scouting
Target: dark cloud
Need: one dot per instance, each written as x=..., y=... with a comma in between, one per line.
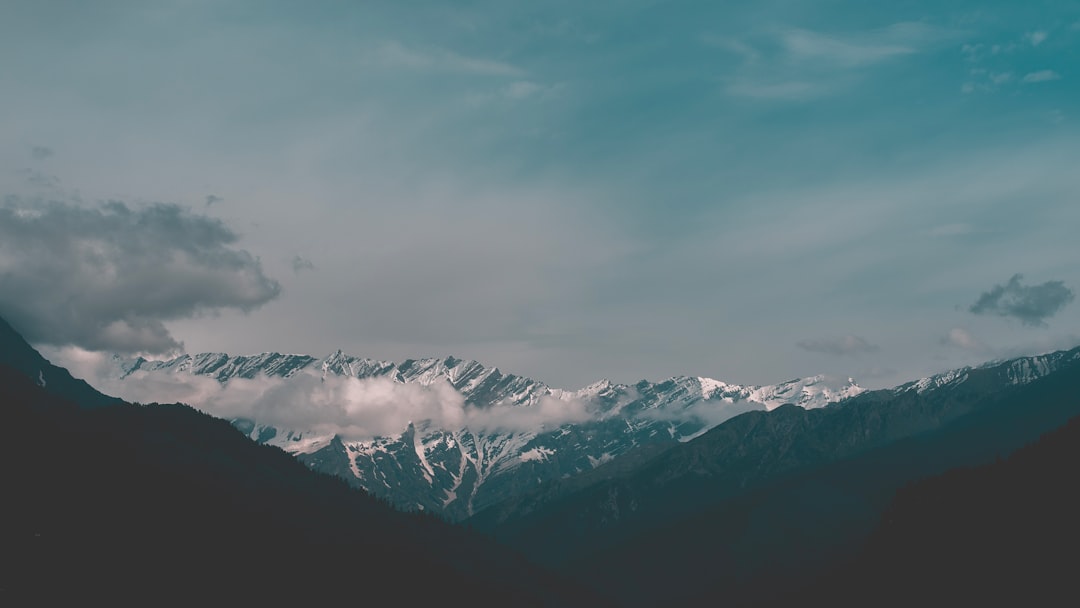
x=1032, y=304
x=40, y=152
x=108, y=277
x=845, y=345
x=212, y=199
x=300, y=263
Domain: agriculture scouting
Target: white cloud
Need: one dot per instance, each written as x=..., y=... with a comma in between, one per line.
x=1036, y=38
x=1041, y=76
x=812, y=46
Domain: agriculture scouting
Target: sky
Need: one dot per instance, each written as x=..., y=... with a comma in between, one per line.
x=570, y=191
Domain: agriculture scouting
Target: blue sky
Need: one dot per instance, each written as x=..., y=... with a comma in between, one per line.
x=628, y=190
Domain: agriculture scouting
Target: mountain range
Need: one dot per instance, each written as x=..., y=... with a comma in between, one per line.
x=684, y=492
x=457, y=471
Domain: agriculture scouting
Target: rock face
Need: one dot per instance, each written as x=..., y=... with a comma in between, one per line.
x=461, y=470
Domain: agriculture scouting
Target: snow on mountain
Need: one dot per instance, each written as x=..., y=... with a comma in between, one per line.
x=512, y=432
x=1022, y=370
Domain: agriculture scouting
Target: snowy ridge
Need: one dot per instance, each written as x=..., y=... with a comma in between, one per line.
x=220, y=366
x=1028, y=369
x=1022, y=370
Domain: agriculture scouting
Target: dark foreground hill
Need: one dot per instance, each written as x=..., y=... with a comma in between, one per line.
x=1001, y=534
x=159, y=504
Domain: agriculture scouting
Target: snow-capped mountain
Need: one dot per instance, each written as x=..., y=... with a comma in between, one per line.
x=456, y=470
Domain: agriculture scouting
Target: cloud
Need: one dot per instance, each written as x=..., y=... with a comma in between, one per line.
x=842, y=346
x=961, y=338
x=808, y=45
x=301, y=263
x=352, y=408
x=1041, y=76
x=547, y=413
x=40, y=152
x=1032, y=304
x=212, y=199
x=999, y=78
x=802, y=64
x=1037, y=38
x=107, y=277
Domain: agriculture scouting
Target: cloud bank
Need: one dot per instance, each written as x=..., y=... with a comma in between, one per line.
x=108, y=277
x=354, y=409
x=1031, y=304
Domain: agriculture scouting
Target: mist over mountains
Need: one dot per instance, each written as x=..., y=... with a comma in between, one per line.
x=444, y=435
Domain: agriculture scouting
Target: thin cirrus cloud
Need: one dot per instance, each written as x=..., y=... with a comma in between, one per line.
x=806, y=45
x=1041, y=76
x=849, y=345
x=107, y=277
x=1031, y=304
x=810, y=64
